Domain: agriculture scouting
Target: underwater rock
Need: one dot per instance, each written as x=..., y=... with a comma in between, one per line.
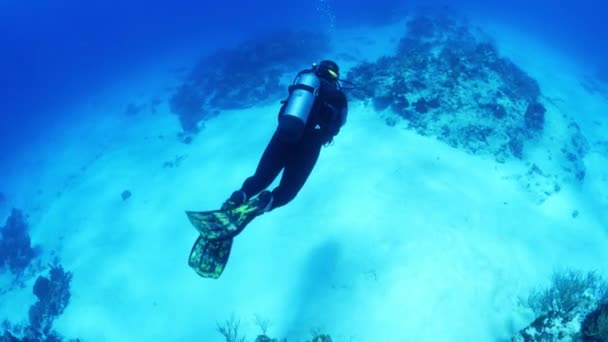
x=417, y=85
x=534, y=117
x=434, y=103
x=188, y=102
x=244, y=76
x=125, y=195
x=42, y=287
x=476, y=133
x=550, y=327
x=496, y=110
x=8, y=337
x=53, y=295
x=400, y=104
x=16, y=251
x=517, y=84
x=364, y=71
x=584, y=322
x=573, y=300
x=595, y=325
x=421, y=106
x=462, y=81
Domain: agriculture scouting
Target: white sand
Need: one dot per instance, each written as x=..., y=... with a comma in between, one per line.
x=395, y=237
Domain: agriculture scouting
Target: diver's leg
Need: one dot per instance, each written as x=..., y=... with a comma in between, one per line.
x=298, y=167
x=271, y=163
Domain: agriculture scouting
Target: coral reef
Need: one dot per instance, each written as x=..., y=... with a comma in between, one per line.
x=573, y=307
x=568, y=289
x=447, y=81
x=229, y=329
x=595, y=325
x=16, y=251
x=243, y=76
x=53, y=293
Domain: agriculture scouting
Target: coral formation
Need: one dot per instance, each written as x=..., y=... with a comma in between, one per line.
x=534, y=117
x=53, y=293
x=595, y=325
x=448, y=82
x=567, y=290
x=561, y=309
x=244, y=76
x=16, y=251
x=229, y=329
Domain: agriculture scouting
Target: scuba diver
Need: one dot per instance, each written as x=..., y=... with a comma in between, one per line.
x=309, y=118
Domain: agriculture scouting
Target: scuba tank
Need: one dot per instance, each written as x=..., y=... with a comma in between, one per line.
x=294, y=115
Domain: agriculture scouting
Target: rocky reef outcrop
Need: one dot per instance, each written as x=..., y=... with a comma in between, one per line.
x=244, y=76
x=573, y=308
x=53, y=296
x=448, y=81
x=16, y=250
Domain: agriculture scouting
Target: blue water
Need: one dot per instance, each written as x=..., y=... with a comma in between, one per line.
x=54, y=53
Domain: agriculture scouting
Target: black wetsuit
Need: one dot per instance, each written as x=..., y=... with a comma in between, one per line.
x=297, y=159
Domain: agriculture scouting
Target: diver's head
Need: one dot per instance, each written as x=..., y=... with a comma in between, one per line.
x=329, y=70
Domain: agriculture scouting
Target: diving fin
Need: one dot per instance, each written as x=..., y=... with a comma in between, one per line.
x=224, y=224
x=208, y=258
x=217, y=229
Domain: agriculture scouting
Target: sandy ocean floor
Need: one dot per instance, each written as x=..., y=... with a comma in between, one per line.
x=395, y=237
